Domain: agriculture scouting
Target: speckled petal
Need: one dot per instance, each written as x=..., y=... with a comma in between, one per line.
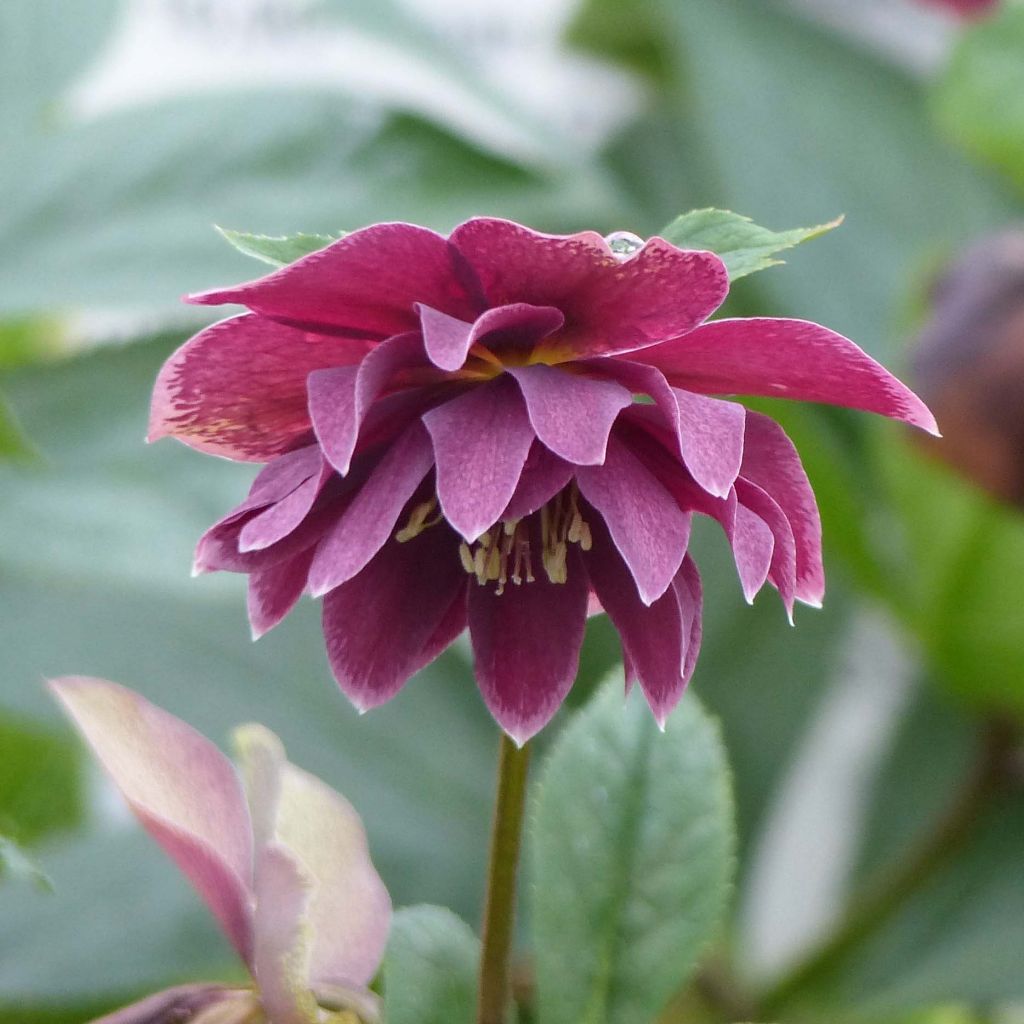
x=238, y=388
x=368, y=282
x=785, y=359
x=609, y=305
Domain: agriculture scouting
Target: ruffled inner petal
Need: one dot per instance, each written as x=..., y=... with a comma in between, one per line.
x=370, y=518
x=341, y=399
x=571, y=414
x=481, y=441
x=646, y=524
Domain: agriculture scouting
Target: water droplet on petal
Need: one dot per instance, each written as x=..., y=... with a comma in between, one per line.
x=624, y=243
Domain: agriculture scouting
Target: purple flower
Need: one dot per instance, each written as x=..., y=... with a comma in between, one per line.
x=453, y=438
x=282, y=863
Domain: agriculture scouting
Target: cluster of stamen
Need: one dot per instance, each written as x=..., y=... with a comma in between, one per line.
x=505, y=552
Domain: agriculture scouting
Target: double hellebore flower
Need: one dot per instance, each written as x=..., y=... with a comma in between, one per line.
x=282, y=864
x=453, y=437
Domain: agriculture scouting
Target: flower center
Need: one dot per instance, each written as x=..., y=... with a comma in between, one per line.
x=505, y=551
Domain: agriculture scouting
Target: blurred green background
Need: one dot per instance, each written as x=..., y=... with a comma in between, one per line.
x=130, y=128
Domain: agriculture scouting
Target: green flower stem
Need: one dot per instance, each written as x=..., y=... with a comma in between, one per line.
x=988, y=778
x=500, y=908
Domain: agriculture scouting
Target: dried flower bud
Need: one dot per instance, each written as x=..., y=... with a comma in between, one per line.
x=969, y=364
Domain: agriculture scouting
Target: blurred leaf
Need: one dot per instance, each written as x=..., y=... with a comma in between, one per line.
x=754, y=669
x=92, y=218
x=44, y=45
x=958, y=938
x=964, y=568
x=743, y=246
x=39, y=787
x=931, y=755
x=979, y=102
x=95, y=548
x=16, y=864
x=444, y=84
x=13, y=443
x=631, y=843
x=430, y=970
x=278, y=250
x=80, y=944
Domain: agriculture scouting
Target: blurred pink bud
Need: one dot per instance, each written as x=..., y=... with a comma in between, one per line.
x=281, y=860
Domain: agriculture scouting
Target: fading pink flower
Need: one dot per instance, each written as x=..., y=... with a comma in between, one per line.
x=281, y=862
x=453, y=438
x=966, y=8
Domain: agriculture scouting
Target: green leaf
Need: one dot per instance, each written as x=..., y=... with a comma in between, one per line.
x=277, y=250
x=964, y=560
x=979, y=102
x=743, y=246
x=631, y=843
x=40, y=792
x=13, y=443
x=430, y=970
x=15, y=863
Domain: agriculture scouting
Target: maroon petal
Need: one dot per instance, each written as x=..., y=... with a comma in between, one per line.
x=786, y=359
x=238, y=389
x=648, y=527
x=367, y=282
x=572, y=415
x=653, y=639
x=339, y=399
x=274, y=591
x=370, y=518
x=782, y=569
x=609, y=305
x=543, y=476
x=481, y=441
x=379, y=624
x=708, y=431
x=526, y=646
x=771, y=461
